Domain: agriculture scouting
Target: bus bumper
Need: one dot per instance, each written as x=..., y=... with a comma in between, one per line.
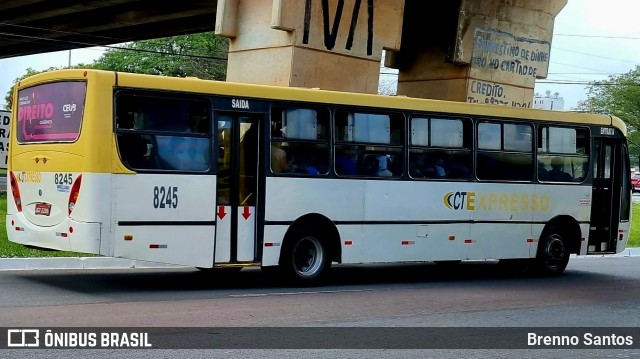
x=68, y=235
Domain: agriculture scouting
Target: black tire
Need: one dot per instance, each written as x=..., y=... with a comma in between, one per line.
x=553, y=252
x=305, y=260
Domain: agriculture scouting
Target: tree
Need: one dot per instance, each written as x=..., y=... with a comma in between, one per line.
x=619, y=96
x=200, y=55
x=30, y=72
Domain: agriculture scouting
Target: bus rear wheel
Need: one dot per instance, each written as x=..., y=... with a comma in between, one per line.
x=305, y=260
x=553, y=252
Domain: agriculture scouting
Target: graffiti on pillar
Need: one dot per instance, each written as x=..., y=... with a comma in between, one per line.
x=331, y=31
x=504, y=68
x=516, y=56
x=498, y=94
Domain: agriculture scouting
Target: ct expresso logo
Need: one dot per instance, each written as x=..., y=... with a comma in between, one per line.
x=493, y=201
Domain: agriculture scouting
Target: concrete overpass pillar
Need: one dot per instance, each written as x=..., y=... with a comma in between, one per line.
x=330, y=44
x=484, y=51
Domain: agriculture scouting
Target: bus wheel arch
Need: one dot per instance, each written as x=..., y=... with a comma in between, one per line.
x=560, y=238
x=315, y=236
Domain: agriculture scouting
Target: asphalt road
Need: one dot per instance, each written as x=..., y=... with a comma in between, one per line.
x=594, y=292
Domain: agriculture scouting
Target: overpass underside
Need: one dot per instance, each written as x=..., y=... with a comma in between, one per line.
x=37, y=26
x=485, y=51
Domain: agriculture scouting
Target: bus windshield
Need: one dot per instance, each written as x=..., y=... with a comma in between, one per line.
x=51, y=112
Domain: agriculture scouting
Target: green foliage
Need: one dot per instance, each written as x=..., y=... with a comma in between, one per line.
x=30, y=72
x=14, y=250
x=199, y=55
x=619, y=96
x=634, y=232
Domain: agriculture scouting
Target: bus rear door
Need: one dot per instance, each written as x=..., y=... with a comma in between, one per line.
x=237, y=187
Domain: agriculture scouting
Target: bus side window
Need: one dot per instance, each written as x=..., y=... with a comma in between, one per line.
x=138, y=151
x=184, y=153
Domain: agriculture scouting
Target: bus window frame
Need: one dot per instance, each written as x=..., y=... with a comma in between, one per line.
x=589, y=173
x=468, y=144
x=502, y=121
x=327, y=141
x=80, y=127
x=174, y=95
x=399, y=114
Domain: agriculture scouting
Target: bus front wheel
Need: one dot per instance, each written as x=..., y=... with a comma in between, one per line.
x=305, y=260
x=553, y=251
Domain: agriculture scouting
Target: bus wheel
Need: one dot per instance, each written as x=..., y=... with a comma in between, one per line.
x=305, y=260
x=553, y=252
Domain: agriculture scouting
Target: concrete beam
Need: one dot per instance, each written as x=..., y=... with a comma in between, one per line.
x=486, y=51
x=330, y=44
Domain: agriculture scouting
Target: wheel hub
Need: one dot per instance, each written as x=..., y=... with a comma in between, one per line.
x=308, y=256
x=555, y=250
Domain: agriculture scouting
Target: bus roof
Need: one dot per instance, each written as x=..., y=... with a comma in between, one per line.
x=254, y=91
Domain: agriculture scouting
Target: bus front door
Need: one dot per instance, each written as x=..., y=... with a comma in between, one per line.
x=237, y=185
x=605, y=205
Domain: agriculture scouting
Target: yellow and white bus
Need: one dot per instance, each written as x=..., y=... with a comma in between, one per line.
x=214, y=174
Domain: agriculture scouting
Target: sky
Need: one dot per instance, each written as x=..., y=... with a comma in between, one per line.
x=14, y=67
x=592, y=40
x=584, y=58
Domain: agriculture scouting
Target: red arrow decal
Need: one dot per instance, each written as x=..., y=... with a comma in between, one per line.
x=245, y=213
x=221, y=212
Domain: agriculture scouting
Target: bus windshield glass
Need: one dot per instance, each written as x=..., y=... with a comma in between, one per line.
x=51, y=112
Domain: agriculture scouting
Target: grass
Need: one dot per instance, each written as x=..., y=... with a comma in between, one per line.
x=634, y=236
x=13, y=250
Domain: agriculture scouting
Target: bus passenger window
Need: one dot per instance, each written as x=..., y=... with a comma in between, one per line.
x=299, y=144
x=184, y=153
x=440, y=148
x=299, y=157
x=564, y=153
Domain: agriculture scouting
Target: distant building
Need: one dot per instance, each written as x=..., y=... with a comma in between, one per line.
x=548, y=101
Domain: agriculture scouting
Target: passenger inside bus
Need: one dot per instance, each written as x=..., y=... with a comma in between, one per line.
x=279, y=163
x=438, y=167
x=383, y=166
x=543, y=175
x=308, y=163
x=368, y=166
x=556, y=173
x=432, y=166
x=346, y=162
